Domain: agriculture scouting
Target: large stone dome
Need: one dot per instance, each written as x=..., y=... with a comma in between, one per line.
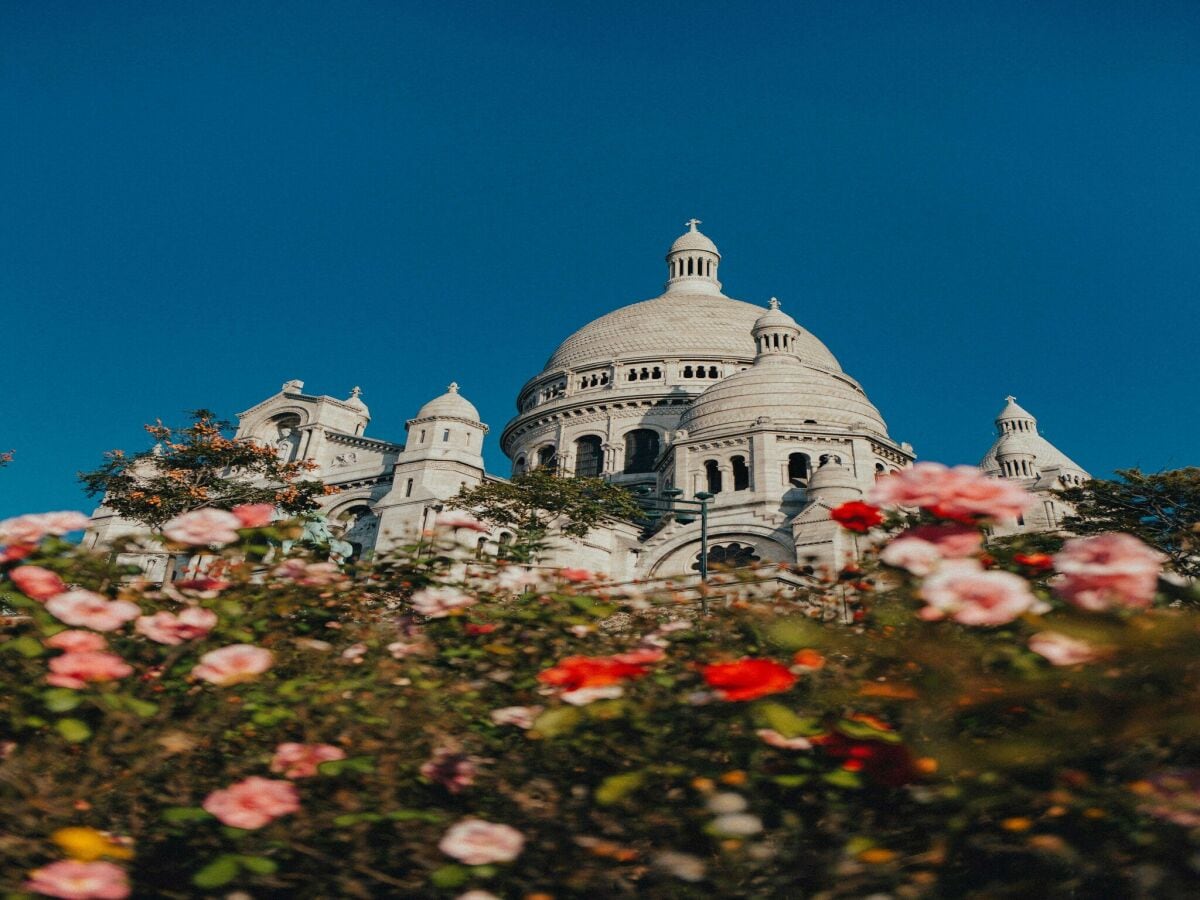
x=677, y=324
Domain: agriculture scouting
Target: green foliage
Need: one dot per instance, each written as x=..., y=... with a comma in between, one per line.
x=1163, y=509
x=533, y=503
x=198, y=466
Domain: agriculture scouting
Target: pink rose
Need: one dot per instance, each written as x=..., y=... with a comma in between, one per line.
x=254, y=515
x=1107, y=570
x=585, y=695
x=168, y=628
x=518, y=580
x=31, y=528
x=73, y=879
x=521, y=716
x=254, y=802
x=310, y=574
x=90, y=610
x=404, y=649
x=453, y=771
x=773, y=738
x=202, y=588
x=1062, y=650
x=74, y=670
x=971, y=595
x=437, y=603
x=456, y=519
x=478, y=843
x=920, y=549
x=60, y=523
x=301, y=760
x=233, y=664
x=961, y=493
x=36, y=582
x=72, y=641
x=204, y=528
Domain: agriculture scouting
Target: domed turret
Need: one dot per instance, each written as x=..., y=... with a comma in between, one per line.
x=692, y=263
x=782, y=386
x=775, y=335
x=833, y=483
x=1019, y=451
x=355, y=400
x=451, y=405
x=447, y=423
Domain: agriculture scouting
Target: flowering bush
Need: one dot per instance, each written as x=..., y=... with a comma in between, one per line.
x=993, y=722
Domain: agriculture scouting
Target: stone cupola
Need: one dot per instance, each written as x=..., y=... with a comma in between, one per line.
x=692, y=263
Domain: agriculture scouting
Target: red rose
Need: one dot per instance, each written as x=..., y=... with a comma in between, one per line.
x=577, y=672
x=1036, y=562
x=854, y=515
x=472, y=628
x=890, y=765
x=747, y=679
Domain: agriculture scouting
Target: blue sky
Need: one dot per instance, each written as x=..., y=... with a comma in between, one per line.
x=203, y=200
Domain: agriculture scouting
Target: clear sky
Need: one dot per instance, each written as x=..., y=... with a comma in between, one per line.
x=201, y=200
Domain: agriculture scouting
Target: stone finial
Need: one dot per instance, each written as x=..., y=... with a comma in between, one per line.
x=692, y=223
x=453, y=388
x=774, y=303
x=294, y=385
x=1010, y=399
x=355, y=391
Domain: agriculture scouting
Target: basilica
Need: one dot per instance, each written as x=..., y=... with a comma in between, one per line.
x=689, y=394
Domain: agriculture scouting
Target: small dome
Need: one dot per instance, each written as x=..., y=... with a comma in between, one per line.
x=451, y=405
x=789, y=393
x=833, y=481
x=775, y=318
x=693, y=240
x=355, y=400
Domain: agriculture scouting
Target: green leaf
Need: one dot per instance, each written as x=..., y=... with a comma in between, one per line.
x=450, y=876
x=74, y=730
x=415, y=815
x=842, y=778
x=557, y=721
x=220, y=871
x=795, y=633
x=864, y=731
x=790, y=781
x=259, y=865
x=779, y=718
x=61, y=699
x=27, y=645
x=353, y=764
x=616, y=788
x=176, y=815
x=143, y=708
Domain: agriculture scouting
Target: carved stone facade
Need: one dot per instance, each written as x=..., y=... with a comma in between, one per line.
x=690, y=391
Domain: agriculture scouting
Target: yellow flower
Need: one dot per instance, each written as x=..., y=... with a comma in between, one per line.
x=88, y=844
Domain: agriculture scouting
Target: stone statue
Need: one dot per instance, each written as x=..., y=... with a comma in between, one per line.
x=317, y=533
x=288, y=442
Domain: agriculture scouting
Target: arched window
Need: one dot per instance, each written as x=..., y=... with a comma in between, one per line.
x=880, y=470
x=691, y=265
x=712, y=473
x=687, y=371
x=728, y=556
x=519, y=469
x=503, y=545
x=481, y=548
x=713, y=373
x=641, y=451
x=799, y=468
x=546, y=456
x=588, y=457
x=741, y=473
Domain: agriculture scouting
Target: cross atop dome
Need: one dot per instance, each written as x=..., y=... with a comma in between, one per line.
x=692, y=262
x=453, y=387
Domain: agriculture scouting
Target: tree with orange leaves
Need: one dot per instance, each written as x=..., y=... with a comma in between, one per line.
x=197, y=466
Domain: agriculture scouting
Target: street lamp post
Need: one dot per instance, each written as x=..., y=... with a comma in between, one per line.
x=667, y=503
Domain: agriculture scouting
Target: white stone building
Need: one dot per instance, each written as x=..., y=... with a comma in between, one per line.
x=689, y=392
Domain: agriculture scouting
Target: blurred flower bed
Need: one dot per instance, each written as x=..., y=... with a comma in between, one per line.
x=997, y=721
